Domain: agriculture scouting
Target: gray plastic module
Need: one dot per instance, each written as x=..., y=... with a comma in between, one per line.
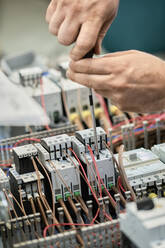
x=105, y=163
x=57, y=146
x=16, y=62
x=159, y=150
x=64, y=175
x=86, y=137
x=43, y=154
x=22, y=158
x=30, y=76
x=143, y=167
x=27, y=181
x=150, y=224
x=25, y=151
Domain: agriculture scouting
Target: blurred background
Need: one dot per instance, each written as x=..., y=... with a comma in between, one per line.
x=139, y=25
x=23, y=27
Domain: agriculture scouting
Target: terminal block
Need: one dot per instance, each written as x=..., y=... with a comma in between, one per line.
x=65, y=178
x=104, y=164
x=22, y=158
x=143, y=168
x=53, y=153
x=86, y=137
x=57, y=146
x=30, y=76
x=12, y=231
x=26, y=182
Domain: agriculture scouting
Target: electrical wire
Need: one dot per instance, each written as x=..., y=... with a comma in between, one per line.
x=23, y=209
x=25, y=139
x=116, y=191
x=101, y=181
x=119, y=184
x=61, y=178
x=97, y=172
x=85, y=175
x=50, y=184
x=12, y=206
x=10, y=203
x=89, y=173
x=5, y=165
x=88, y=185
x=32, y=205
x=42, y=211
x=103, y=104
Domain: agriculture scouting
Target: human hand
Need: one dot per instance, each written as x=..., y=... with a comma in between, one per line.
x=133, y=80
x=83, y=21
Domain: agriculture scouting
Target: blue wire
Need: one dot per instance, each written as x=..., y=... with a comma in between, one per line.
x=45, y=73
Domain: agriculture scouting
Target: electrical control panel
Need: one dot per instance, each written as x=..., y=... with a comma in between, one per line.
x=60, y=182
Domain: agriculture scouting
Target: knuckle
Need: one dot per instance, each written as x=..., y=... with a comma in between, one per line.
x=85, y=45
x=76, y=8
x=64, y=41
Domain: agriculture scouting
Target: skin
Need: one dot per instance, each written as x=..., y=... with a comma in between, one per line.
x=133, y=80
x=84, y=22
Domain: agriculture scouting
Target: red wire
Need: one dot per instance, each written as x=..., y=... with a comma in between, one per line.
x=7, y=165
x=43, y=103
x=85, y=175
x=78, y=224
x=87, y=181
x=94, y=161
x=120, y=185
x=103, y=104
x=108, y=217
x=141, y=118
x=97, y=172
x=74, y=224
x=25, y=139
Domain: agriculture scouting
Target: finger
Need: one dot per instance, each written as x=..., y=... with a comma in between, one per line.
x=98, y=66
x=90, y=81
x=56, y=21
x=50, y=10
x=102, y=34
x=86, y=39
x=68, y=31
